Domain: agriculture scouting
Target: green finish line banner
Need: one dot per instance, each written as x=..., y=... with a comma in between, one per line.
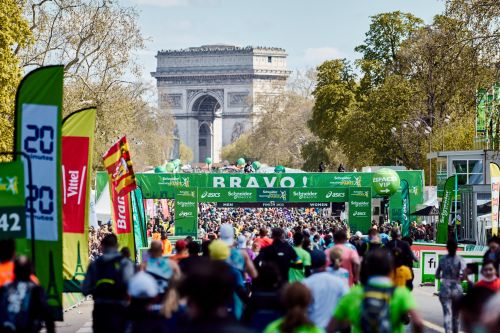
x=12, y=201
x=242, y=195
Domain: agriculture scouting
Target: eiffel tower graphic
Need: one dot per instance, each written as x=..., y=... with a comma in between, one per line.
x=79, y=271
x=52, y=294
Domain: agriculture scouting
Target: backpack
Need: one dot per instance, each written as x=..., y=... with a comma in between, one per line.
x=109, y=279
x=375, y=311
x=15, y=306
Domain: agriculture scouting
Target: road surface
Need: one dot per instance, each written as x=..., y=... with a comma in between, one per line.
x=79, y=319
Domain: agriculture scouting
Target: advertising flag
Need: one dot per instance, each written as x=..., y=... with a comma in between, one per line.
x=38, y=134
x=12, y=201
x=77, y=148
x=495, y=188
x=481, y=116
x=405, y=208
x=122, y=218
x=445, y=211
x=119, y=166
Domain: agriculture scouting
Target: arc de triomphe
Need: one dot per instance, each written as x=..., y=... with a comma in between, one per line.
x=211, y=91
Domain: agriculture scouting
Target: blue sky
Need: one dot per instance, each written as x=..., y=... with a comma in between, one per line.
x=311, y=31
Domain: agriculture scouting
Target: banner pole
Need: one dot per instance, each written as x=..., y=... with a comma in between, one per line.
x=32, y=216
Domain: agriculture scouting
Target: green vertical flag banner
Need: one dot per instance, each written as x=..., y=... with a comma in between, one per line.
x=139, y=221
x=186, y=212
x=360, y=209
x=38, y=134
x=445, y=210
x=12, y=201
x=481, y=116
x=101, y=179
x=405, y=207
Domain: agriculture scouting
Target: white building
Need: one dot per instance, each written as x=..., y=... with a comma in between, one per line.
x=211, y=92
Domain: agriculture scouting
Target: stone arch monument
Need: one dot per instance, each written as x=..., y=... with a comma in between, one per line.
x=210, y=91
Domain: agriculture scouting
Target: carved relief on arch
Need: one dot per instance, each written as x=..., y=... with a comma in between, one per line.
x=238, y=130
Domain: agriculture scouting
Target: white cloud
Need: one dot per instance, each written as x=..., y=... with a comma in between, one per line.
x=314, y=56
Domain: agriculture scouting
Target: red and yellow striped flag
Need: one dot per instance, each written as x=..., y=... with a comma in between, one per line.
x=119, y=166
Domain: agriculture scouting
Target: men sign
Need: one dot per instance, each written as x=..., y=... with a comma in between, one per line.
x=12, y=201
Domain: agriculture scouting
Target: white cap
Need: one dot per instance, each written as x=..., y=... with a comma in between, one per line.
x=142, y=285
x=226, y=234
x=359, y=234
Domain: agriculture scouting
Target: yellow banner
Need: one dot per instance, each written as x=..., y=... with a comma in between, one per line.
x=495, y=196
x=77, y=148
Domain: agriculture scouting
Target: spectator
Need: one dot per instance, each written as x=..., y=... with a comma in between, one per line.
x=106, y=280
x=296, y=299
x=23, y=305
x=377, y=306
x=493, y=252
x=450, y=271
x=490, y=278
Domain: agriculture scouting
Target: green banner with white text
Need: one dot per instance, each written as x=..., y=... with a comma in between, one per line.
x=445, y=210
x=186, y=212
x=360, y=209
x=38, y=134
x=12, y=201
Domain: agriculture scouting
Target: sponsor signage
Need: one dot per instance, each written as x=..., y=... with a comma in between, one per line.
x=74, y=178
x=272, y=195
x=186, y=212
x=12, y=201
x=360, y=208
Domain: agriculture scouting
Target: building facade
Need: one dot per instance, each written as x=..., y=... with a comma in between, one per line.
x=212, y=90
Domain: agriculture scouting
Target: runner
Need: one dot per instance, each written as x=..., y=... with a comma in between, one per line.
x=350, y=258
x=450, y=271
x=377, y=306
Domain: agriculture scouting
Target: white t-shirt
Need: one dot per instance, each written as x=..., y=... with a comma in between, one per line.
x=326, y=290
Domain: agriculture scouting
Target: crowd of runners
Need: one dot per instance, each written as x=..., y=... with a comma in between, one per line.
x=263, y=270
x=284, y=270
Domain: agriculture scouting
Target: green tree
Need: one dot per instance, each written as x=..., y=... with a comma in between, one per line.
x=335, y=97
x=316, y=151
x=381, y=46
x=14, y=33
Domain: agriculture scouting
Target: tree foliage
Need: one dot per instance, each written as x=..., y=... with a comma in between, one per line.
x=14, y=33
x=417, y=87
x=95, y=41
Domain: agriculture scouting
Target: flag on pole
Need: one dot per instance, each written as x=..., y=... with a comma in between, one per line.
x=119, y=166
x=445, y=210
x=38, y=135
x=77, y=147
x=495, y=196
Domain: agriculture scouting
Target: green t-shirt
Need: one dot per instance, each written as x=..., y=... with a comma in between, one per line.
x=349, y=308
x=274, y=327
x=295, y=274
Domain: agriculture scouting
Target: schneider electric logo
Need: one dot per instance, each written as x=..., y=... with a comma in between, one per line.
x=359, y=204
x=305, y=195
x=185, y=214
x=206, y=194
x=186, y=204
x=240, y=195
x=332, y=194
x=186, y=193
